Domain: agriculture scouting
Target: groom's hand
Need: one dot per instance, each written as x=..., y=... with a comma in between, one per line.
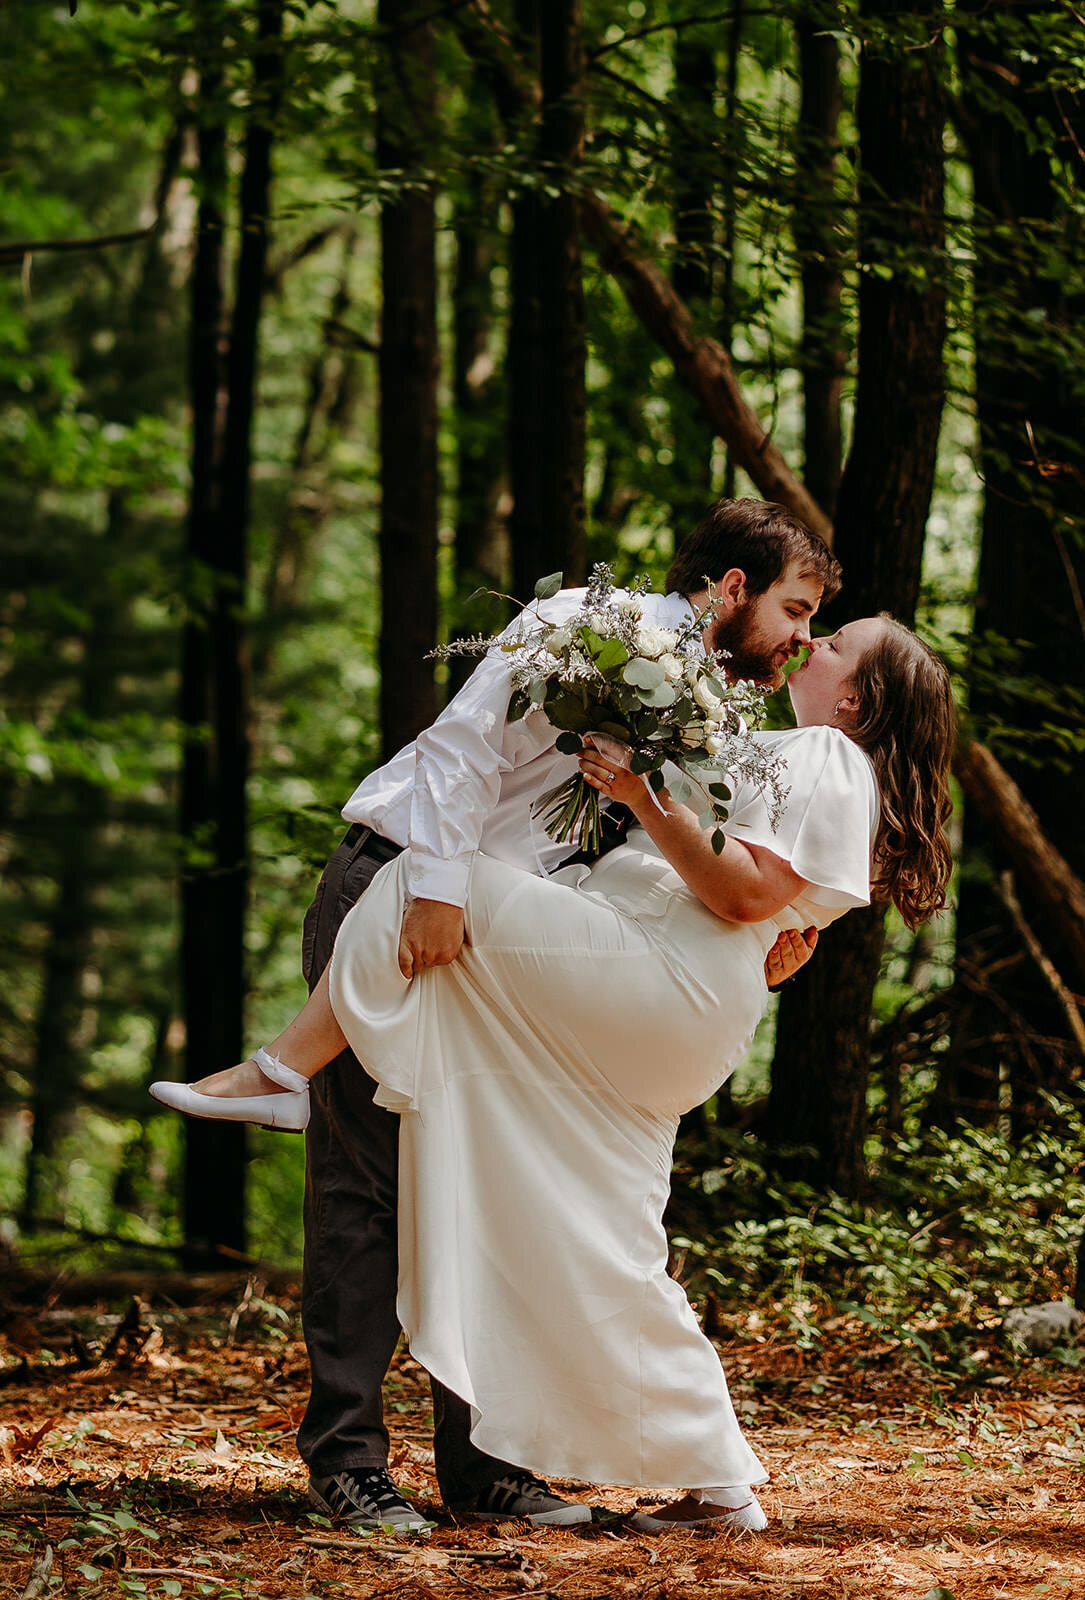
x=791, y=951
x=432, y=935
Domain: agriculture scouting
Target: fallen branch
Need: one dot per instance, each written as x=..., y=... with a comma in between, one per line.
x=1067, y=1001
x=988, y=786
x=39, y=1576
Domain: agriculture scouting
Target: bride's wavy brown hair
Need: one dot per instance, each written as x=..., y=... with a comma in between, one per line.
x=905, y=721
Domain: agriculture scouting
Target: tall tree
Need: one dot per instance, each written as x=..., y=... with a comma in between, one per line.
x=695, y=163
x=1029, y=622
x=817, y=240
x=546, y=335
x=820, y=1068
x=214, y=691
x=408, y=374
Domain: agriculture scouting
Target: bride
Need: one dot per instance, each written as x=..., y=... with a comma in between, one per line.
x=540, y=1076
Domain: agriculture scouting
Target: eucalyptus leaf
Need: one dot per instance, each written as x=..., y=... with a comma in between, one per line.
x=681, y=791
x=720, y=790
x=536, y=691
x=547, y=588
x=644, y=674
x=708, y=818
x=655, y=779
x=570, y=744
x=611, y=657
x=518, y=704
x=641, y=762
x=664, y=694
x=719, y=839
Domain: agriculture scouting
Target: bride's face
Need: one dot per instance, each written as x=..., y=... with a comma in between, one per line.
x=820, y=689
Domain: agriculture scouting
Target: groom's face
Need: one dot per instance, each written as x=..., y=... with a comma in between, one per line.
x=762, y=633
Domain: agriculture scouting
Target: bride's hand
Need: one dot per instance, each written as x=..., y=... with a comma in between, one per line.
x=608, y=771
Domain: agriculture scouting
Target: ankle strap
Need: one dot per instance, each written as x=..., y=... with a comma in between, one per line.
x=274, y=1069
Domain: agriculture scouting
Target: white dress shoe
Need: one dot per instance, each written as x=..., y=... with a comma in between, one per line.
x=287, y=1112
x=744, y=1514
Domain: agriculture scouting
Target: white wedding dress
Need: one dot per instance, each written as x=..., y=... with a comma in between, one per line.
x=540, y=1078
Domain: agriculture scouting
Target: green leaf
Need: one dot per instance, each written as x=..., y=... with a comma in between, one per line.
x=719, y=839
x=569, y=743
x=518, y=704
x=547, y=588
x=641, y=762
x=720, y=790
x=645, y=674
x=715, y=685
x=681, y=791
x=536, y=691
x=611, y=657
x=566, y=710
x=614, y=730
x=707, y=819
x=655, y=778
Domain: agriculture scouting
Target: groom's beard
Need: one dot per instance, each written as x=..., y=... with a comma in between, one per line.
x=751, y=653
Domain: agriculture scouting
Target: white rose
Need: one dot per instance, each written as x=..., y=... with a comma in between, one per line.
x=597, y=622
x=672, y=667
x=712, y=725
x=655, y=641
x=628, y=605
x=558, y=641
x=706, y=697
x=715, y=745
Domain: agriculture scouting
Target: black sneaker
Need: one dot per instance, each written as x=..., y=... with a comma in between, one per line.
x=366, y=1497
x=519, y=1494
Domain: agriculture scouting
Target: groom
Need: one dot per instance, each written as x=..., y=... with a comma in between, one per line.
x=467, y=784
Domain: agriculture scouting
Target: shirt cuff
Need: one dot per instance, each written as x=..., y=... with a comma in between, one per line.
x=431, y=878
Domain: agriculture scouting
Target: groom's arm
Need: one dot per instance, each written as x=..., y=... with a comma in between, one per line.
x=459, y=764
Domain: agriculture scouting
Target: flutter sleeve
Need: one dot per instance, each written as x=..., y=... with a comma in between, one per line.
x=827, y=824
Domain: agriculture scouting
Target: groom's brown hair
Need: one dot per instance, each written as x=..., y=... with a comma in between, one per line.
x=761, y=538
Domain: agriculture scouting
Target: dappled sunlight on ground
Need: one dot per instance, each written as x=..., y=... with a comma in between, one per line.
x=159, y=1459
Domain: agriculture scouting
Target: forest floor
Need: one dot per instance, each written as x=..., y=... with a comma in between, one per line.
x=153, y=1454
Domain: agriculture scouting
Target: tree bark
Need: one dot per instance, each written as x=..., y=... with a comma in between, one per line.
x=214, y=694
x=1031, y=409
x=547, y=408
x=478, y=390
x=820, y=1069
x=694, y=163
x=408, y=381
x=817, y=242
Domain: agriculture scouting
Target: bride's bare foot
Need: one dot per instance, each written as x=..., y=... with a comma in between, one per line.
x=237, y=1082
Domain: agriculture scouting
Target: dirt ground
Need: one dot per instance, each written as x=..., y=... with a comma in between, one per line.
x=153, y=1454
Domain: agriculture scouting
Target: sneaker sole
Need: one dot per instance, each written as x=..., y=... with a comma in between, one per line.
x=644, y=1522
x=562, y=1517
x=416, y=1523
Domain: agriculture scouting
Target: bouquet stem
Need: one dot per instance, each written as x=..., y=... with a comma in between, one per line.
x=570, y=811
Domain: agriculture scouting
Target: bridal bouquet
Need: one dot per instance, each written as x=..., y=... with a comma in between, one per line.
x=605, y=673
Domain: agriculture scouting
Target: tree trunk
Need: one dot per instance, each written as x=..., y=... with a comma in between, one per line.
x=817, y=242
x=821, y=1065
x=214, y=695
x=1031, y=408
x=694, y=161
x=408, y=381
x=482, y=546
x=702, y=364
x=547, y=405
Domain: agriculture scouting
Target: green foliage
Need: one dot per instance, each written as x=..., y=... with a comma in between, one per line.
x=962, y=1225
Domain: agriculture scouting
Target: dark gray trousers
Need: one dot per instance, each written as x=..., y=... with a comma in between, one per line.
x=351, y=1265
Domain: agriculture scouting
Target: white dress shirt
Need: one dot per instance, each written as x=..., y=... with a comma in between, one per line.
x=468, y=782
